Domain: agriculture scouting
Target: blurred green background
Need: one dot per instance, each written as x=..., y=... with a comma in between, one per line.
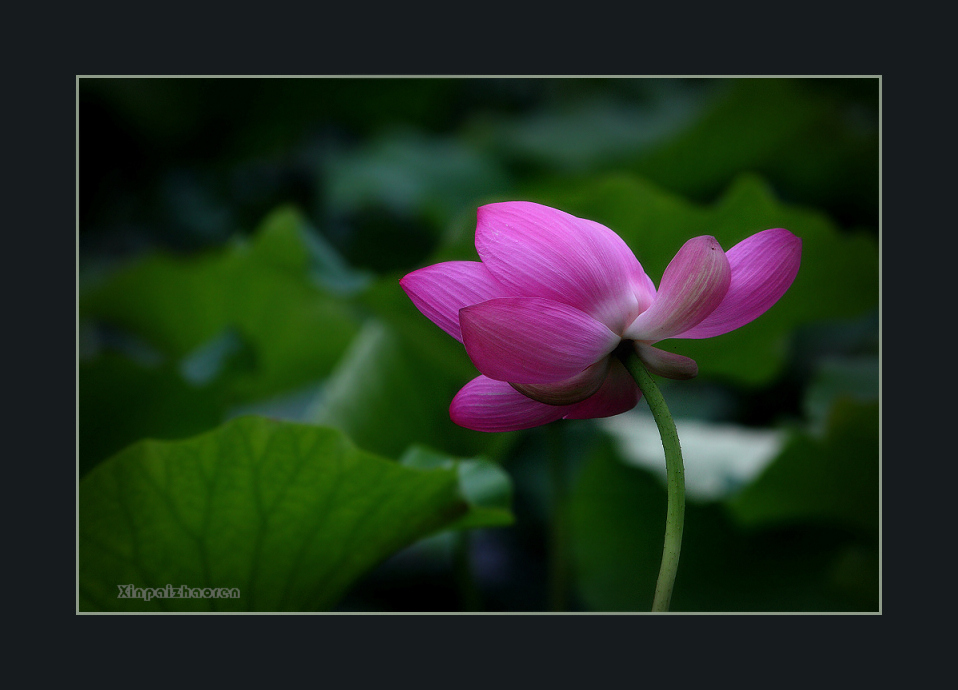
x=240, y=246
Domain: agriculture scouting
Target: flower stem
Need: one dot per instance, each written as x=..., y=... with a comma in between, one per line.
x=675, y=473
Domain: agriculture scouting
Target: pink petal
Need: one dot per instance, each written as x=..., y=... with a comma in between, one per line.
x=537, y=251
x=763, y=268
x=441, y=290
x=693, y=285
x=573, y=390
x=484, y=404
x=532, y=340
x=618, y=394
x=667, y=364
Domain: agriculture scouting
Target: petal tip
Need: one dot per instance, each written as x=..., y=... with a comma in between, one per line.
x=532, y=340
x=494, y=406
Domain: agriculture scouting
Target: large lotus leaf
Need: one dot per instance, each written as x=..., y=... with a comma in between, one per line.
x=287, y=514
x=265, y=289
x=484, y=483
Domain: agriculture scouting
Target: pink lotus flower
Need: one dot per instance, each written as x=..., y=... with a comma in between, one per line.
x=554, y=295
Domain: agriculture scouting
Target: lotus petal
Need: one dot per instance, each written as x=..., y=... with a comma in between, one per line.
x=532, y=340
x=441, y=290
x=537, y=251
x=485, y=404
x=763, y=268
x=693, y=285
x=618, y=394
x=572, y=390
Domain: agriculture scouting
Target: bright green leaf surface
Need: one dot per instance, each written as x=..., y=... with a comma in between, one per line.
x=289, y=514
x=260, y=288
x=485, y=485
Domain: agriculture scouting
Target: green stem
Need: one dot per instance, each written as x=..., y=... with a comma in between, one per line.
x=675, y=472
x=559, y=547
